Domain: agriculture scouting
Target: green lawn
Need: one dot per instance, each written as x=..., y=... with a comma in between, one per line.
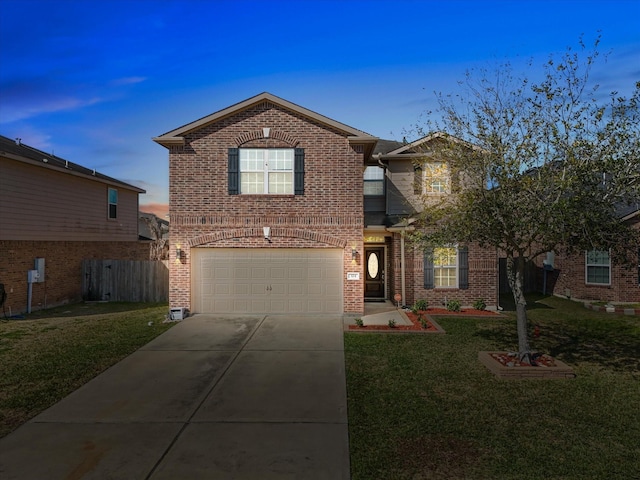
x=423, y=406
x=52, y=352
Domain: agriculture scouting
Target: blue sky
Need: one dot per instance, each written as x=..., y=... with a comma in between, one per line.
x=93, y=82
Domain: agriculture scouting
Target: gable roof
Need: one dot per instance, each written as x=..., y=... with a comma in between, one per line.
x=412, y=149
x=175, y=137
x=16, y=150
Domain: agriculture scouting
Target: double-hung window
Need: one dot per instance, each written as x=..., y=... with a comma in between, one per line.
x=266, y=171
x=113, y=203
x=445, y=267
x=436, y=178
x=373, y=181
x=598, y=267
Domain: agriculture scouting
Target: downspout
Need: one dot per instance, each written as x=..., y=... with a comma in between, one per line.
x=402, y=269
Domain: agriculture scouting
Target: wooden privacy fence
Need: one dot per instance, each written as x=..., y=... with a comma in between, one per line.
x=125, y=280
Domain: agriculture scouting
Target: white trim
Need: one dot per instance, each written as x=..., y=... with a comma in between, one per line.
x=587, y=265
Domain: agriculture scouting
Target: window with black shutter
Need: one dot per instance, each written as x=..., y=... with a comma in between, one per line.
x=260, y=171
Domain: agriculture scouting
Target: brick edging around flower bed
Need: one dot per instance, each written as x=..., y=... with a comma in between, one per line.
x=618, y=310
x=560, y=371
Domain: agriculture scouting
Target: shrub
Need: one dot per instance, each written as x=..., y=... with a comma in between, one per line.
x=423, y=321
x=392, y=323
x=480, y=304
x=453, y=306
x=359, y=322
x=421, y=304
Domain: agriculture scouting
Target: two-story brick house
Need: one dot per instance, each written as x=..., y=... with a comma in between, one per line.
x=275, y=208
x=54, y=214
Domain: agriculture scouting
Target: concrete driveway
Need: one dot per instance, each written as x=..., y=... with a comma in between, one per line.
x=215, y=397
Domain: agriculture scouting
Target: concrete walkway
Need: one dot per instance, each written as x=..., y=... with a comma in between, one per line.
x=212, y=398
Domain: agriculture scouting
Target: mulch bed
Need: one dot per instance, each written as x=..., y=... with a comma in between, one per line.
x=432, y=326
x=416, y=326
x=511, y=359
x=465, y=312
x=506, y=365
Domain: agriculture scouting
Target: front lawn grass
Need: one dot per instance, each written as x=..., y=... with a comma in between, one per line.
x=423, y=406
x=51, y=353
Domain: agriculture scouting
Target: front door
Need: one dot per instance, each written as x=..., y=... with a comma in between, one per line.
x=374, y=273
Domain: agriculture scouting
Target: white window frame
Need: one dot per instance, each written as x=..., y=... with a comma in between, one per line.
x=374, y=175
x=266, y=164
x=595, y=264
x=436, y=178
x=452, y=269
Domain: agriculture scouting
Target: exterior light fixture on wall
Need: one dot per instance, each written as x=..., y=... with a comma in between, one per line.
x=267, y=233
x=354, y=255
x=178, y=252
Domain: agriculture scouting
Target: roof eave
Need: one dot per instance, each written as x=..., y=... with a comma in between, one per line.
x=169, y=141
x=101, y=179
x=174, y=137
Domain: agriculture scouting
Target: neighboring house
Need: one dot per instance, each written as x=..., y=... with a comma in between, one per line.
x=593, y=275
x=54, y=214
x=271, y=213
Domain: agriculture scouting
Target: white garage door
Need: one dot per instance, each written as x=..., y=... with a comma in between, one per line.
x=266, y=280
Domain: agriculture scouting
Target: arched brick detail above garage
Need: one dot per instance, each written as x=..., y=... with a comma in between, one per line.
x=276, y=233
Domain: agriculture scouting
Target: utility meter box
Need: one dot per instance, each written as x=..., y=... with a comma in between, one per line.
x=32, y=276
x=179, y=313
x=39, y=267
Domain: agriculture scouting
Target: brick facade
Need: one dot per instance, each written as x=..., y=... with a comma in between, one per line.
x=63, y=269
x=203, y=214
x=483, y=278
x=568, y=280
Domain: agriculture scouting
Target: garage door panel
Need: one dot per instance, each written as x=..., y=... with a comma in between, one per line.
x=297, y=289
x=267, y=280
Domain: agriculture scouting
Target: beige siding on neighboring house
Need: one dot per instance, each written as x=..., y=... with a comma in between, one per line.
x=401, y=198
x=39, y=203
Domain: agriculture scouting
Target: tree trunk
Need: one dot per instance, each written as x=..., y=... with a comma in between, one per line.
x=515, y=275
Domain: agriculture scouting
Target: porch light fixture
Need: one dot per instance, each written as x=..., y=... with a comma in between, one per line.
x=354, y=255
x=178, y=252
x=267, y=233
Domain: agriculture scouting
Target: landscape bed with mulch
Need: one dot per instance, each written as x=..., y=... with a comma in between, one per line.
x=416, y=326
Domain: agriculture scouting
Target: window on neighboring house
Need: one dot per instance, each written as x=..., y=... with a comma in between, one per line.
x=113, y=203
x=435, y=177
x=598, y=267
x=266, y=171
x=446, y=267
x=374, y=180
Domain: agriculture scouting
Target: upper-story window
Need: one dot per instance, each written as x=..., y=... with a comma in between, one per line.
x=436, y=178
x=266, y=170
x=374, y=180
x=598, y=267
x=113, y=203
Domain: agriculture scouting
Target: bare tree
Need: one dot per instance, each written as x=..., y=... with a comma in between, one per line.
x=159, y=249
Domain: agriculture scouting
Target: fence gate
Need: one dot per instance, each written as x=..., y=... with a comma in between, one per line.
x=125, y=280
